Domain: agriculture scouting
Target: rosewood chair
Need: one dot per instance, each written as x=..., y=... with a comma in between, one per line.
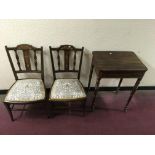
x=67, y=90
x=24, y=59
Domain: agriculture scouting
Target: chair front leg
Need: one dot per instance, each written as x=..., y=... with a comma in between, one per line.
x=7, y=105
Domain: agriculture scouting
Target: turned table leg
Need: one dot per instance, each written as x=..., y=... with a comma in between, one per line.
x=95, y=93
x=90, y=77
x=131, y=94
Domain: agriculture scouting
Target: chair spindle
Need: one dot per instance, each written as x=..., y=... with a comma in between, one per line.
x=58, y=57
x=17, y=58
x=35, y=59
x=74, y=63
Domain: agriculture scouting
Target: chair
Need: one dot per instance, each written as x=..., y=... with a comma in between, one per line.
x=67, y=90
x=24, y=60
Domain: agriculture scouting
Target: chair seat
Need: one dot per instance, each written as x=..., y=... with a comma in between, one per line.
x=26, y=90
x=67, y=89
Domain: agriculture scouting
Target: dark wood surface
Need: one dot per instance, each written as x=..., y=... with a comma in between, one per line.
x=116, y=64
x=117, y=61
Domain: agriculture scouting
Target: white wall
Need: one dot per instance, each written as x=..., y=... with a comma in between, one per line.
x=133, y=35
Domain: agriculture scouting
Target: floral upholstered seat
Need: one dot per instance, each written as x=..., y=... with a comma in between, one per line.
x=67, y=89
x=26, y=90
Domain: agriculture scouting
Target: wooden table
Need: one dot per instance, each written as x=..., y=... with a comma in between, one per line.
x=116, y=64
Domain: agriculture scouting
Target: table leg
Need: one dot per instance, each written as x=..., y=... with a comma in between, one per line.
x=119, y=85
x=90, y=76
x=132, y=93
x=95, y=93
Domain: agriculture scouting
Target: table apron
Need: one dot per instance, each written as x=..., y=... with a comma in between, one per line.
x=121, y=75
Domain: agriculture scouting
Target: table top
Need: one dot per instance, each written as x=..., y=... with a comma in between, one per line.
x=117, y=61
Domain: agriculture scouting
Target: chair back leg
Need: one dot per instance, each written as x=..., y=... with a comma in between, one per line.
x=7, y=105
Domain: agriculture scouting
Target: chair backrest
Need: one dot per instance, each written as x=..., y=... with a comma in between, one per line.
x=24, y=52
x=67, y=50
